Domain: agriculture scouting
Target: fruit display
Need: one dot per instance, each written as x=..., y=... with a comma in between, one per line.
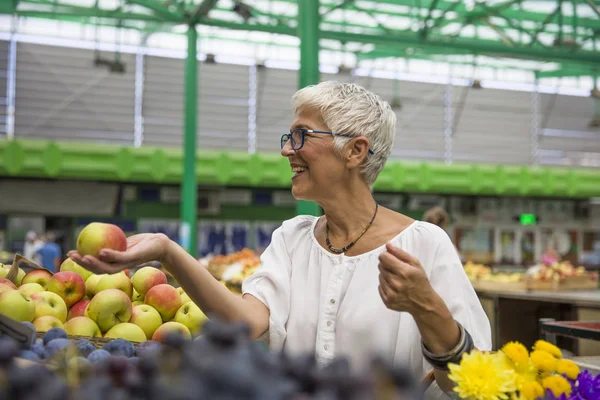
x=561, y=276
x=223, y=363
x=233, y=268
x=139, y=308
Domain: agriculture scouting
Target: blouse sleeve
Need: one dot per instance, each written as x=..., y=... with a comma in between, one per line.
x=450, y=281
x=271, y=285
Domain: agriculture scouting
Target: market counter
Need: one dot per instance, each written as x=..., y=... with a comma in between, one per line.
x=515, y=315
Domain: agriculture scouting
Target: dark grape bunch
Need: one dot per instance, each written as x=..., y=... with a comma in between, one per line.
x=222, y=364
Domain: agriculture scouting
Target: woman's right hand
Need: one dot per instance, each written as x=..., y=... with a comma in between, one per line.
x=141, y=249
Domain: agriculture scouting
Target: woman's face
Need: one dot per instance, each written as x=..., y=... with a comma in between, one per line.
x=316, y=168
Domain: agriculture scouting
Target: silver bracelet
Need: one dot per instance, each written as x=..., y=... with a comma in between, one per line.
x=441, y=361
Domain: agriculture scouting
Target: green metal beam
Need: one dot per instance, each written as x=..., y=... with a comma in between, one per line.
x=477, y=46
x=189, y=192
x=160, y=9
x=203, y=9
x=105, y=14
x=308, y=32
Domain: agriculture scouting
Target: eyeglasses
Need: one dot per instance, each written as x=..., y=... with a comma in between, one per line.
x=296, y=137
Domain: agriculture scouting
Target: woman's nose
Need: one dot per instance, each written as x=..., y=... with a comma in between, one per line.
x=287, y=150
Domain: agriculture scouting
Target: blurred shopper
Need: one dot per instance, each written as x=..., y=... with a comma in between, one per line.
x=50, y=253
x=360, y=281
x=437, y=216
x=32, y=245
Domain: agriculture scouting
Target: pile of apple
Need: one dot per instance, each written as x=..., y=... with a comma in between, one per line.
x=113, y=306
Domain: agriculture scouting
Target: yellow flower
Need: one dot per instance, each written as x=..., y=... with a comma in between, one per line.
x=557, y=384
x=532, y=391
x=516, y=352
x=567, y=368
x=482, y=376
x=543, y=361
x=548, y=347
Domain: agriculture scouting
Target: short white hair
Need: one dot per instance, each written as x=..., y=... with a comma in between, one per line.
x=353, y=110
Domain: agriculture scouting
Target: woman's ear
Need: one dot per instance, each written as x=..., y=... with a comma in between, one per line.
x=356, y=151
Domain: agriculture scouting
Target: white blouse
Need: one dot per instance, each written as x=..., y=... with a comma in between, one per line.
x=330, y=305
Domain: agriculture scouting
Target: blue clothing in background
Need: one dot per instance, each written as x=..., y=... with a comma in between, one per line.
x=49, y=252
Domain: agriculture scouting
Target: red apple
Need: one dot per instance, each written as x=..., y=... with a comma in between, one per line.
x=165, y=299
x=147, y=277
x=48, y=303
x=39, y=276
x=68, y=285
x=171, y=327
x=78, y=309
x=97, y=236
x=4, y=281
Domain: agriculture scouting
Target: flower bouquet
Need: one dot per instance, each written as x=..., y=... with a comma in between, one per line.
x=514, y=373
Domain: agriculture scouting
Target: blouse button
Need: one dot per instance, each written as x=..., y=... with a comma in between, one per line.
x=332, y=301
x=337, y=280
x=328, y=323
x=326, y=347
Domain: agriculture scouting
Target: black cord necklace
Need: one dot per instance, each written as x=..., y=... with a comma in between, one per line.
x=341, y=250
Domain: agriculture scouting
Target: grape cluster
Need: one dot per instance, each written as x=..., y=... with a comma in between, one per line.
x=221, y=364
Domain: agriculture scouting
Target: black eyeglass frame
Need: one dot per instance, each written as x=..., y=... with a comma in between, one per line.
x=290, y=137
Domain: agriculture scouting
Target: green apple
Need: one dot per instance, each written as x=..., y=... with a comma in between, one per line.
x=115, y=281
x=97, y=236
x=17, y=305
x=82, y=326
x=70, y=265
x=137, y=303
x=91, y=283
x=136, y=296
x=30, y=288
x=165, y=298
x=147, y=318
x=185, y=298
x=4, y=269
x=171, y=327
x=48, y=303
x=109, y=308
x=191, y=316
x=39, y=276
x=126, y=331
x=147, y=277
x=45, y=323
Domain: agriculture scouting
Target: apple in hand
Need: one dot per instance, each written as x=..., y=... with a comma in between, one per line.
x=48, y=303
x=109, y=308
x=115, y=281
x=39, y=276
x=126, y=331
x=70, y=265
x=147, y=277
x=91, y=284
x=97, y=236
x=31, y=288
x=165, y=299
x=68, y=285
x=171, y=327
x=191, y=316
x=147, y=318
x=78, y=309
x=47, y=322
x=17, y=305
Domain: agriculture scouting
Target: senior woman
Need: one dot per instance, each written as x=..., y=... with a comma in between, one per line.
x=360, y=281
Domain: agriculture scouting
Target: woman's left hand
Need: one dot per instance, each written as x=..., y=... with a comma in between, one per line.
x=403, y=284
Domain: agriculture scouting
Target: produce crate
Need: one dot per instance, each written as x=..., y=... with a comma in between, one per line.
x=99, y=342
x=490, y=286
x=567, y=284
